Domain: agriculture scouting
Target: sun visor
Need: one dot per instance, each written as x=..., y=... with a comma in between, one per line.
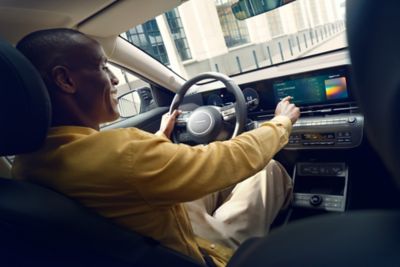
x=123, y=15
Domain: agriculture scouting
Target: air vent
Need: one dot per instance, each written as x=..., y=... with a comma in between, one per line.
x=311, y=111
x=330, y=109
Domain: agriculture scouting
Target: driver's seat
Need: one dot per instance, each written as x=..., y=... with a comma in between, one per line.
x=39, y=227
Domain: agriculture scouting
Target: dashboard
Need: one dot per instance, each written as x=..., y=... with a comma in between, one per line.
x=331, y=161
x=330, y=118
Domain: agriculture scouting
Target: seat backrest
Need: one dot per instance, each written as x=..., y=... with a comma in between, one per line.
x=39, y=227
x=362, y=238
x=374, y=38
x=24, y=103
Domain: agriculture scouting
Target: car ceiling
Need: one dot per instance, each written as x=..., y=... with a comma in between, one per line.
x=94, y=17
x=103, y=20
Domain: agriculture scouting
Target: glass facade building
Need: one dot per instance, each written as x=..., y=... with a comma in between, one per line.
x=178, y=34
x=147, y=36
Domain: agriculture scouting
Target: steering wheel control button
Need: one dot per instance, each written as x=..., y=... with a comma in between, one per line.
x=182, y=119
x=228, y=112
x=183, y=137
x=316, y=200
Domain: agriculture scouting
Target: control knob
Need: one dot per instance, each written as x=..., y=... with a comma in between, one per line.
x=315, y=200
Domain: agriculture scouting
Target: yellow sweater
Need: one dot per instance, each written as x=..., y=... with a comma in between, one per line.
x=140, y=180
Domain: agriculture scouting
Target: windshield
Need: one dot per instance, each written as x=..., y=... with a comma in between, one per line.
x=204, y=35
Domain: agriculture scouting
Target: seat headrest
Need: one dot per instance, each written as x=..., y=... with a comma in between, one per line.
x=374, y=38
x=25, y=109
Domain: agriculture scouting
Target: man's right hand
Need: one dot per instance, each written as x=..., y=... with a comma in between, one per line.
x=168, y=123
x=285, y=108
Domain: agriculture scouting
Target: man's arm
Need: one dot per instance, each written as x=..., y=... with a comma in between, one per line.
x=167, y=172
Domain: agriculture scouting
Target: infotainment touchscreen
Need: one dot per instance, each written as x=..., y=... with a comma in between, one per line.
x=313, y=89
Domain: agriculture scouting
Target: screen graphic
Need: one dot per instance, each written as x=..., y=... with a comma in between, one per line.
x=336, y=88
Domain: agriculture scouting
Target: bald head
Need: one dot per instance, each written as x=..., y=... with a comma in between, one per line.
x=74, y=69
x=52, y=47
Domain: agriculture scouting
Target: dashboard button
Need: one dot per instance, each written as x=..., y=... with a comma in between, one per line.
x=315, y=200
x=302, y=197
x=330, y=136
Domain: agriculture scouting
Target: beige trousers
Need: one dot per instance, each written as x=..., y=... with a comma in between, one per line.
x=245, y=210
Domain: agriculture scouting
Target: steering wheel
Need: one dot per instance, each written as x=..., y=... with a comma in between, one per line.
x=209, y=123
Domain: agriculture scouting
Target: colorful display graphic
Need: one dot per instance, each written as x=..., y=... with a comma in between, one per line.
x=336, y=88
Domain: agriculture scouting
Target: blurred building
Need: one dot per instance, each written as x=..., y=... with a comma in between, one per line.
x=279, y=35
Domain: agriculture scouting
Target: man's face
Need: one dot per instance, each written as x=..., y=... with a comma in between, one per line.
x=95, y=84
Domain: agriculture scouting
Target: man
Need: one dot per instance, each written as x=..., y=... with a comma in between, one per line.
x=138, y=179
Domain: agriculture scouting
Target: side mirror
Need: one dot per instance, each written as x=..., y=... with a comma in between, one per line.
x=134, y=102
x=244, y=9
x=129, y=104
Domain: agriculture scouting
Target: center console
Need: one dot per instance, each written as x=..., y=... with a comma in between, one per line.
x=321, y=186
x=329, y=121
x=318, y=147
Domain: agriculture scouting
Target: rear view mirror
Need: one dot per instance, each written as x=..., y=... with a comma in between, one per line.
x=244, y=9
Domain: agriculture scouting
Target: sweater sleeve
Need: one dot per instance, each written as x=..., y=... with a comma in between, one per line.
x=165, y=173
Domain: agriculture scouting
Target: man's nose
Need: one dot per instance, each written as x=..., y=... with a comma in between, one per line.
x=113, y=78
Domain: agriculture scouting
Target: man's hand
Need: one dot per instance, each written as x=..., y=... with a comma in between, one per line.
x=168, y=122
x=285, y=108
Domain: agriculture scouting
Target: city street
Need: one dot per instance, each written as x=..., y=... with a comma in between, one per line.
x=338, y=41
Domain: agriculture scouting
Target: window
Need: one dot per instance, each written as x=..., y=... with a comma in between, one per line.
x=293, y=31
x=147, y=36
x=178, y=34
x=235, y=31
x=137, y=94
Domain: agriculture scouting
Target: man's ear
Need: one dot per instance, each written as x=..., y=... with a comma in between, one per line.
x=62, y=78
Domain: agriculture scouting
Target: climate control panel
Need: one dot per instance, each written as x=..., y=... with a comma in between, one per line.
x=334, y=131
